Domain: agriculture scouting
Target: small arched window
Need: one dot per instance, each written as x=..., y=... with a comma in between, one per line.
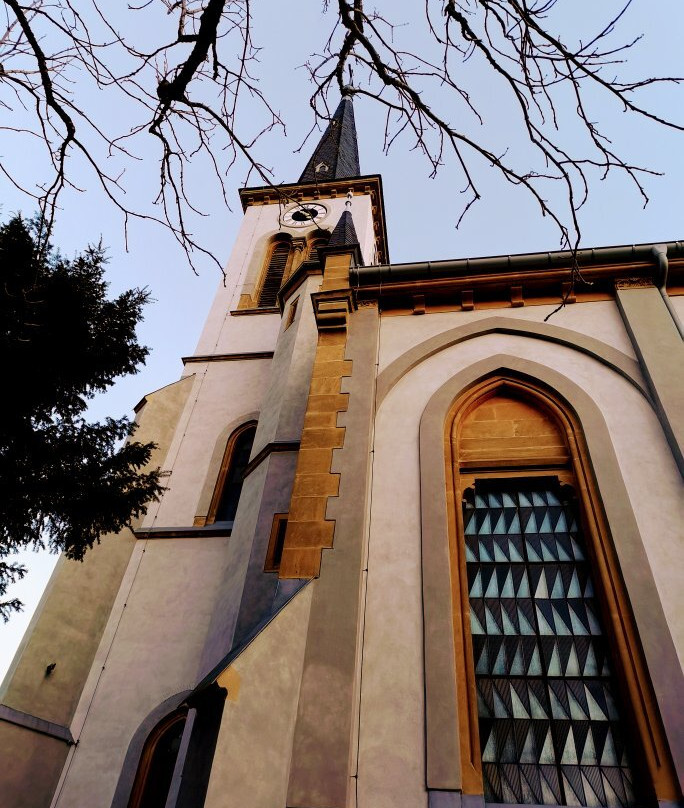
x=157, y=763
x=229, y=484
x=313, y=255
x=274, y=272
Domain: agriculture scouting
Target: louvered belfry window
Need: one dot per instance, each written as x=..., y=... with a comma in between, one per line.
x=549, y=714
x=273, y=277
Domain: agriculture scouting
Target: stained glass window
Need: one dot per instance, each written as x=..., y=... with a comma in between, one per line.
x=549, y=715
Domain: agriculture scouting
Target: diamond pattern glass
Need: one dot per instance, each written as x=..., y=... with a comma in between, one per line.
x=550, y=727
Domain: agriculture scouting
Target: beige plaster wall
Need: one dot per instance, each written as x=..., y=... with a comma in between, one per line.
x=678, y=304
x=222, y=393
x=252, y=758
x=599, y=319
x=391, y=747
x=149, y=652
x=24, y=754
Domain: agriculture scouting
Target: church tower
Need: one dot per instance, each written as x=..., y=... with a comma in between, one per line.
x=419, y=545
x=151, y=621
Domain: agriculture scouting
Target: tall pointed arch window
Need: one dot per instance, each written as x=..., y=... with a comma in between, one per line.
x=275, y=270
x=553, y=706
x=229, y=483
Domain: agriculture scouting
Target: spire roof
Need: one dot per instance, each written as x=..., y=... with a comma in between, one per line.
x=337, y=154
x=344, y=234
x=343, y=238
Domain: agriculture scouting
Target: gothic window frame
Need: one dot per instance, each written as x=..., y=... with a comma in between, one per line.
x=147, y=755
x=448, y=770
x=317, y=240
x=267, y=271
x=626, y=651
x=225, y=469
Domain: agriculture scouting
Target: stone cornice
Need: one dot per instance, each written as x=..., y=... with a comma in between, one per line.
x=268, y=450
x=35, y=724
x=332, y=308
x=512, y=286
x=232, y=357
x=515, y=280
x=185, y=531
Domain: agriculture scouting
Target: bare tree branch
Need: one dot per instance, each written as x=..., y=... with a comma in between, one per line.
x=185, y=86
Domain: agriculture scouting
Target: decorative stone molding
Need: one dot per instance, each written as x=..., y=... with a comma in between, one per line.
x=35, y=724
x=627, y=367
x=419, y=304
x=308, y=529
x=232, y=357
x=332, y=309
x=633, y=283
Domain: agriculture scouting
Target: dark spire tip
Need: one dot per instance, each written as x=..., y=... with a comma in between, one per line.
x=337, y=154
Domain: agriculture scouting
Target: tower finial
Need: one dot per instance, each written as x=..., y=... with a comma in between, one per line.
x=337, y=154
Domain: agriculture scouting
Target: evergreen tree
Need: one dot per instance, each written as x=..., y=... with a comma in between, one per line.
x=64, y=481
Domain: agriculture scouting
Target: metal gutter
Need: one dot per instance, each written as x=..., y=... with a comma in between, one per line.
x=441, y=270
x=660, y=254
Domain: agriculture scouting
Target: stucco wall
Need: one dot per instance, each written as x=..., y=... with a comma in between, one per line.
x=600, y=319
x=29, y=754
x=61, y=631
x=391, y=749
x=222, y=393
x=251, y=762
x=137, y=669
x=678, y=305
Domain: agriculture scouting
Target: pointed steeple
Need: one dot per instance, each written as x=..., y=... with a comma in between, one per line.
x=344, y=239
x=337, y=154
x=344, y=234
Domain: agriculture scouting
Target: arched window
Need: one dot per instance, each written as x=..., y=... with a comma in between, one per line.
x=275, y=269
x=229, y=484
x=313, y=256
x=554, y=711
x=157, y=763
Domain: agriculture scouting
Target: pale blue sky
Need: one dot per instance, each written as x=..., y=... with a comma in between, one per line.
x=421, y=212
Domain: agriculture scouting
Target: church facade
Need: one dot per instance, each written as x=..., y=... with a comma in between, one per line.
x=420, y=545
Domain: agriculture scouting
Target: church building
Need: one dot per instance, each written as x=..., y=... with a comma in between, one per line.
x=420, y=544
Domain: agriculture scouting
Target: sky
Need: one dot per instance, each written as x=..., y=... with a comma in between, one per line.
x=421, y=211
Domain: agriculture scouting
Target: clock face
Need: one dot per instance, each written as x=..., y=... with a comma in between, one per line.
x=304, y=214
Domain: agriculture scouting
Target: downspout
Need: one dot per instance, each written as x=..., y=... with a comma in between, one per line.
x=660, y=253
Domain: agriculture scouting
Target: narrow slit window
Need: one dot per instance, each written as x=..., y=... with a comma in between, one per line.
x=276, y=543
x=273, y=275
x=291, y=313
